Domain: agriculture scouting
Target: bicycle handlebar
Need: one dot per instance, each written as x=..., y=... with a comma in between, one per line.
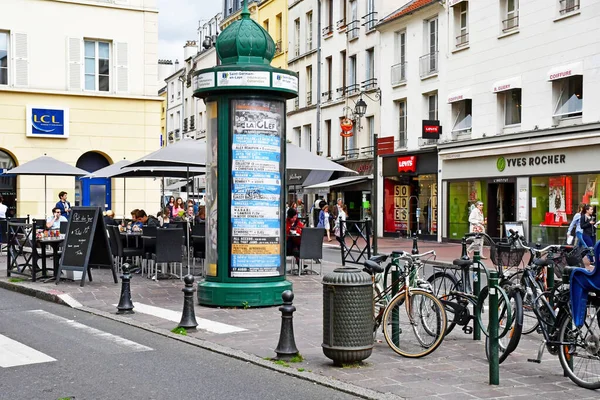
x=412, y=257
x=515, y=237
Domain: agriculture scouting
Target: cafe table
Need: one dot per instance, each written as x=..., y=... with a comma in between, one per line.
x=55, y=243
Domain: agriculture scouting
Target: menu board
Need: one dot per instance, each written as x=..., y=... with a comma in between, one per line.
x=86, y=243
x=256, y=189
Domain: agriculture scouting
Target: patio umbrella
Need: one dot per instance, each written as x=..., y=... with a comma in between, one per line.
x=46, y=166
x=108, y=172
x=183, y=153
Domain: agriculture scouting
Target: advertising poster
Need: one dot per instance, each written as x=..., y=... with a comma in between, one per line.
x=556, y=198
x=211, y=191
x=256, y=189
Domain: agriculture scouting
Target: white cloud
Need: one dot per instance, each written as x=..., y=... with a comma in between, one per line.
x=178, y=22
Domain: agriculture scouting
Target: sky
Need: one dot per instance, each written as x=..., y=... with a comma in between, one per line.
x=178, y=22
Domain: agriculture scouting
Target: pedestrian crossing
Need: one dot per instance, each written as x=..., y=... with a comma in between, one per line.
x=52, y=327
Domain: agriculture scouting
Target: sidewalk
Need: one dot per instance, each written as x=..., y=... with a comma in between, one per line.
x=456, y=370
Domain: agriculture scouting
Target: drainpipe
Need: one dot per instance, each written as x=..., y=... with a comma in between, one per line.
x=319, y=151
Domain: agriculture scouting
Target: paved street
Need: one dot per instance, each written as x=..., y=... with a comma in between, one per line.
x=48, y=351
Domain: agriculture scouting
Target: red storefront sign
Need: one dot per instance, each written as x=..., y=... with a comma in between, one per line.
x=407, y=164
x=385, y=145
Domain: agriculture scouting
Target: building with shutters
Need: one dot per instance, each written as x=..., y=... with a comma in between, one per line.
x=81, y=90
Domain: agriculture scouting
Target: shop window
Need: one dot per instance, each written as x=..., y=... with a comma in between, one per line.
x=569, y=97
x=512, y=107
x=554, y=202
x=462, y=197
x=461, y=110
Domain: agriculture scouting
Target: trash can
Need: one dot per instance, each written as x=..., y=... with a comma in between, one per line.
x=347, y=315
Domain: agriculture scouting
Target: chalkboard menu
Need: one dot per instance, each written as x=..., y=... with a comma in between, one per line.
x=86, y=243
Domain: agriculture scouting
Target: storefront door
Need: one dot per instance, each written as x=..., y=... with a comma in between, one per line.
x=500, y=208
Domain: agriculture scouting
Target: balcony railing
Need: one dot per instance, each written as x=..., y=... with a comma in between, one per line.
x=308, y=98
x=326, y=96
x=185, y=124
x=328, y=30
x=341, y=92
x=353, y=29
x=278, y=47
x=428, y=64
x=427, y=142
x=341, y=24
x=369, y=84
x=370, y=20
x=367, y=151
x=352, y=89
x=352, y=153
x=192, y=123
x=510, y=23
x=177, y=134
x=462, y=40
x=398, y=73
x=567, y=6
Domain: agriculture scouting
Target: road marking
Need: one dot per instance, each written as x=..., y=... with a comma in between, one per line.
x=67, y=298
x=175, y=316
x=13, y=353
x=117, y=340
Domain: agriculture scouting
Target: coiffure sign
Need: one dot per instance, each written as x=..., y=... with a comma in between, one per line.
x=407, y=164
x=47, y=122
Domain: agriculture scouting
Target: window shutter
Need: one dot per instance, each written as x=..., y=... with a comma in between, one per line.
x=74, y=61
x=21, y=59
x=121, y=68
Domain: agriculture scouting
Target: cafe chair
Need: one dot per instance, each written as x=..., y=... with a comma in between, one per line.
x=124, y=253
x=311, y=248
x=3, y=235
x=149, y=247
x=63, y=227
x=199, y=245
x=168, y=249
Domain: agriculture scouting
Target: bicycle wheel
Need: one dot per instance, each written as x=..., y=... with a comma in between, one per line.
x=417, y=332
x=442, y=283
x=509, y=342
x=581, y=349
x=530, y=321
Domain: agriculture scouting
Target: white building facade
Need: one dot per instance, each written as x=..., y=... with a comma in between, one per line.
x=521, y=115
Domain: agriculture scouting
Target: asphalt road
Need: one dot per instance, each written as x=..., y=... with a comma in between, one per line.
x=49, y=352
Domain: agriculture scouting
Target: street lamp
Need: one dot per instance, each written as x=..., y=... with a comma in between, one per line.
x=360, y=108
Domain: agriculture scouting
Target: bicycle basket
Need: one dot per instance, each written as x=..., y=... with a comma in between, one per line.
x=506, y=256
x=563, y=259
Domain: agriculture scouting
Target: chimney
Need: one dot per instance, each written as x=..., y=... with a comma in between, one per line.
x=190, y=49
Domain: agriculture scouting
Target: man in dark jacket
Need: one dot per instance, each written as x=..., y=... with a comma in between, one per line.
x=148, y=220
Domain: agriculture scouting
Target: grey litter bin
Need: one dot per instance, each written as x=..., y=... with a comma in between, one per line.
x=347, y=315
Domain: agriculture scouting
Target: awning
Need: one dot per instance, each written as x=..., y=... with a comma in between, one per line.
x=460, y=95
x=316, y=177
x=343, y=181
x=452, y=3
x=565, y=71
x=176, y=186
x=507, y=84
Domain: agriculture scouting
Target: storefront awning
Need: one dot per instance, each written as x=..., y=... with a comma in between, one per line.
x=343, y=181
x=317, y=177
x=565, y=71
x=452, y=3
x=459, y=95
x=507, y=84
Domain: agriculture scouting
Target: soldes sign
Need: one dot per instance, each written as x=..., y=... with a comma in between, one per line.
x=431, y=129
x=407, y=164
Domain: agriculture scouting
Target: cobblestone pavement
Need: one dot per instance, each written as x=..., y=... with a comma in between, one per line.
x=456, y=370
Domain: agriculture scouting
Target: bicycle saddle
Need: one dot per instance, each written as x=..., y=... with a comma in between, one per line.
x=582, y=282
x=541, y=262
x=462, y=263
x=379, y=258
x=372, y=267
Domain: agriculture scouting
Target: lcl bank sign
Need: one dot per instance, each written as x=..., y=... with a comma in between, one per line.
x=47, y=122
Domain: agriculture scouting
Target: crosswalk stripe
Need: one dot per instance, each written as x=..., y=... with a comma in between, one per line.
x=117, y=340
x=13, y=353
x=170, y=315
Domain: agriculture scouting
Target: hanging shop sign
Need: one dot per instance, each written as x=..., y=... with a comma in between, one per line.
x=407, y=164
x=385, y=145
x=431, y=129
x=346, y=124
x=47, y=122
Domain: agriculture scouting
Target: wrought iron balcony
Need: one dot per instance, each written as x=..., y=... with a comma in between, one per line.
x=398, y=73
x=510, y=23
x=353, y=89
x=308, y=98
x=353, y=29
x=370, y=20
x=428, y=64
x=341, y=24
x=567, y=6
x=369, y=84
x=462, y=40
x=327, y=96
x=328, y=30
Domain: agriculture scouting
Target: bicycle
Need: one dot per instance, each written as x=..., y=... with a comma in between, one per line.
x=567, y=316
x=458, y=296
x=422, y=316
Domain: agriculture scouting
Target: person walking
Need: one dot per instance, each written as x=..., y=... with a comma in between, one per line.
x=324, y=221
x=574, y=233
x=316, y=210
x=300, y=208
x=342, y=214
x=588, y=225
x=477, y=225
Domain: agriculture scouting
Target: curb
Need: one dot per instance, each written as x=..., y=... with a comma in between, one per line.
x=211, y=346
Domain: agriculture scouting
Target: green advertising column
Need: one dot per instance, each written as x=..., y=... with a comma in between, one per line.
x=245, y=171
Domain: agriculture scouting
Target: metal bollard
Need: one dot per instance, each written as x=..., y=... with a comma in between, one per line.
x=286, y=348
x=415, y=248
x=125, y=305
x=476, y=291
x=494, y=374
x=463, y=249
x=188, y=316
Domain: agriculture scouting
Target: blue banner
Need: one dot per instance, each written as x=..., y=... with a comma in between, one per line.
x=47, y=122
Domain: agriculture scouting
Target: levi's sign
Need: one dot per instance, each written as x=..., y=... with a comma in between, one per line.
x=431, y=129
x=518, y=162
x=407, y=164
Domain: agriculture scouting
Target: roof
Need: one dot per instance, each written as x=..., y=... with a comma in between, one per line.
x=407, y=9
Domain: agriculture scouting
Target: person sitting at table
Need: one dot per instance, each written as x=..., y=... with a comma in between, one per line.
x=144, y=219
x=293, y=232
x=164, y=217
x=54, y=221
x=178, y=208
x=109, y=218
x=201, y=213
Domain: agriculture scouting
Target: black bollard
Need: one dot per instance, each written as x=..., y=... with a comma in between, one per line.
x=463, y=250
x=188, y=316
x=415, y=248
x=125, y=305
x=286, y=348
